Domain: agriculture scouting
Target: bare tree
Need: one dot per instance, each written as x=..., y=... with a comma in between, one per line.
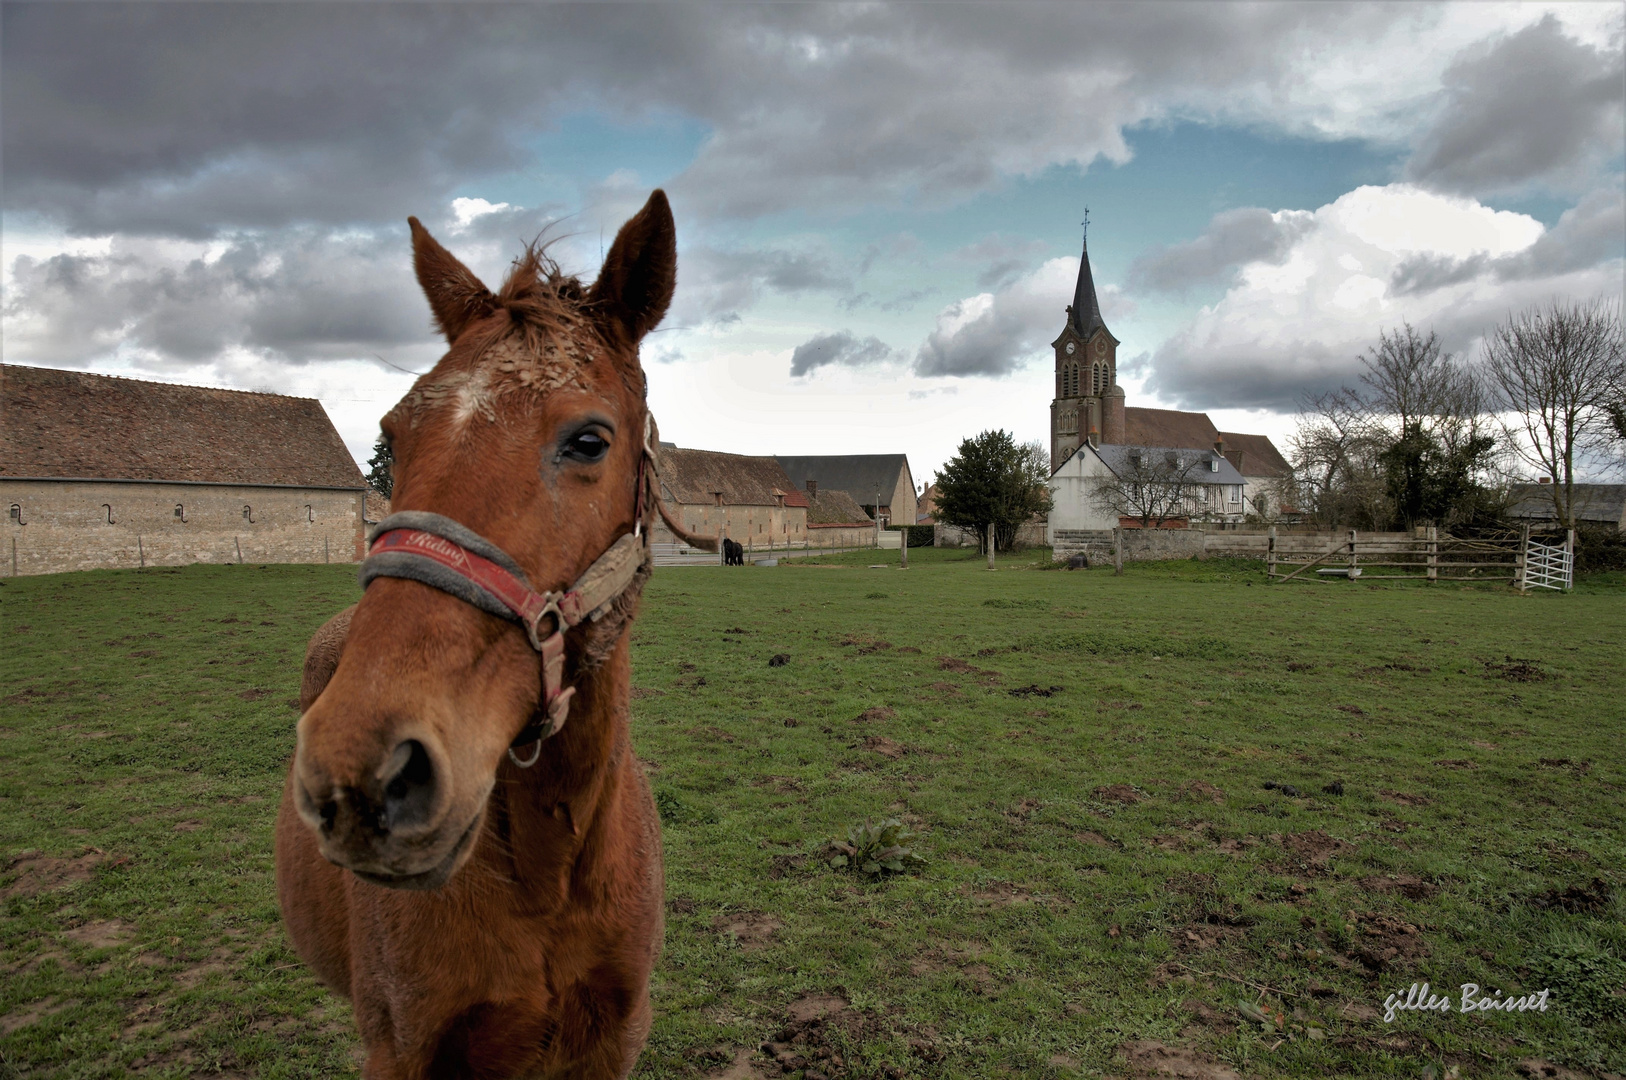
x=1556, y=371
x=1155, y=486
x=1335, y=452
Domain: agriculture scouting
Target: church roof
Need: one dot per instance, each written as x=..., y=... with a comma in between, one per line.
x=1169, y=427
x=1254, y=455
x=1085, y=315
x=79, y=426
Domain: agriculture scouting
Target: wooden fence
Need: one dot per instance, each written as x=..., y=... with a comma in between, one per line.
x=1428, y=557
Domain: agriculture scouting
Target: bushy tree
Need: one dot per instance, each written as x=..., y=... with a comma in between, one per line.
x=992, y=485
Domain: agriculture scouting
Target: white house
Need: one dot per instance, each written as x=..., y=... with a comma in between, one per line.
x=1212, y=487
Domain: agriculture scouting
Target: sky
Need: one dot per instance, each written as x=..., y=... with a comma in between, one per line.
x=879, y=205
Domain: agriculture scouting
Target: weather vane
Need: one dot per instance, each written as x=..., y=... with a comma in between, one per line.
x=1086, y=224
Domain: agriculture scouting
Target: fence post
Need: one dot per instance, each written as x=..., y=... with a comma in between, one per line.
x=905, y=535
x=1353, y=568
x=1118, y=552
x=1270, y=556
x=1521, y=561
x=1569, y=559
x=1433, y=553
x=141, y=552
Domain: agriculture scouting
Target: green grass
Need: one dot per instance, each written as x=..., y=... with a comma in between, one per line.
x=1105, y=868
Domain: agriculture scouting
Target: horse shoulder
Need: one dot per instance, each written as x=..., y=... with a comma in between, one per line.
x=322, y=656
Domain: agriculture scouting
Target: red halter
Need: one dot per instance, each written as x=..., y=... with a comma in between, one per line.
x=441, y=553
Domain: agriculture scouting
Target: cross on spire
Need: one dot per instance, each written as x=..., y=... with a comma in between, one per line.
x=1086, y=224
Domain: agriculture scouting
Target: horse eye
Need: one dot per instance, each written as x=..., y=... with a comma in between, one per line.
x=587, y=446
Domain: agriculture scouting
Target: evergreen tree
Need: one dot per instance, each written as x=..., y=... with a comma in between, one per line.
x=379, y=465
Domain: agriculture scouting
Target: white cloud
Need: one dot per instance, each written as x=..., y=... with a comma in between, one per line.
x=466, y=210
x=1298, y=324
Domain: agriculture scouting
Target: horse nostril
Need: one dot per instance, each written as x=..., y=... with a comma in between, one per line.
x=409, y=795
x=330, y=812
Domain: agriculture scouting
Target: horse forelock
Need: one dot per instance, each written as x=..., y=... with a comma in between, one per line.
x=541, y=338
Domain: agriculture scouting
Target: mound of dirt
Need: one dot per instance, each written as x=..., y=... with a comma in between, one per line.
x=1385, y=942
x=38, y=873
x=1412, y=888
x=1119, y=793
x=1314, y=846
x=1150, y=1058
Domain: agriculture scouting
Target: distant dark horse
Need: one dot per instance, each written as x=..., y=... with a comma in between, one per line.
x=733, y=553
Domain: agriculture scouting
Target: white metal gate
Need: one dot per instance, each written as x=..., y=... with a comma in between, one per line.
x=1549, y=566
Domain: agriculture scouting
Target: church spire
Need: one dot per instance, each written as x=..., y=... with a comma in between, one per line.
x=1086, y=310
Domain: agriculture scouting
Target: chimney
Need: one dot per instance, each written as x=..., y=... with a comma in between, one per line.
x=1112, y=416
x=813, y=488
x=1219, y=446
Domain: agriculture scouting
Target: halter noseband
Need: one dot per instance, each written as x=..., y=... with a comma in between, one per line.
x=445, y=555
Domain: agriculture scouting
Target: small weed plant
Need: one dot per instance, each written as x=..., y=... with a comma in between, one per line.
x=876, y=849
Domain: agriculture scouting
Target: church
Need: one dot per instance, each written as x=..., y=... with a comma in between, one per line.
x=1246, y=474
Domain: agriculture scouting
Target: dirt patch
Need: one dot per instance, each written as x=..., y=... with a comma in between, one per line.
x=1577, y=899
x=751, y=929
x=809, y=1042
x=188, y=826
x=1412, y=888
x=884, y=746
x=1353, y=710
x=641, y=692
x=1405, y=799
x=1456, y=763
x=875, y=714
x=254, y=694
x=960, y=667
x=1314, y=846
x=999, y=894
x=1537, y=1069
x=38, y=873
x=946, y=689
x=1150, y=1058
x=1204, y=1016
x=1566, y=763
x=741, y=1068
x=216, y=963
x=1385, y=942
x=1034, y=690
x=779, y=659
x=101, y=934
x=1514, y=670
x=781, y=785
x=1200, y=937
x=1196, y=789
x=1093, y=839
x=28, y=1015
x=1119, y=793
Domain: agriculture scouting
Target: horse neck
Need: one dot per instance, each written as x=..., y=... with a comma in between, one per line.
x=546, y=816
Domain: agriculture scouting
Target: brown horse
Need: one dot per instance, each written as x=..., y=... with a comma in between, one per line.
x=489, y=919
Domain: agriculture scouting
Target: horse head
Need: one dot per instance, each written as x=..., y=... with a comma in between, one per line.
x=531, y=431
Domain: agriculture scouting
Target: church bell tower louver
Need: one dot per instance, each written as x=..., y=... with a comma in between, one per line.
x=1089, y=403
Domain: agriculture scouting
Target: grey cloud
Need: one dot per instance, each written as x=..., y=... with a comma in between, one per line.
x=189, y=119
x=1232, y=238
x=307, y=297
x=714, y=285
x=840, y=349
x=1003, y=258
x=1590, y=232
x=993, y=343
x=1535, y=106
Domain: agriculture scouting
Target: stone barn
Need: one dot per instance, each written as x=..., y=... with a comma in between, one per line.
x=736, y=496
x=100, y=472
x=863, y=476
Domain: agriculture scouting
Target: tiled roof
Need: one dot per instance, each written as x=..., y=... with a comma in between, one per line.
x=696, y=476
x=1593, y=502
x=1169, y=427
x=1117, y=458
x=859, y=475
x=1254, y=455
x=76, y=425
x=835, y=508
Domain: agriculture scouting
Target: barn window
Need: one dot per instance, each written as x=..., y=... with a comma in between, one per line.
x=180, y=511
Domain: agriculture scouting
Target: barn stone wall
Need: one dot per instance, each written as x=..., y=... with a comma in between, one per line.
x=54, y=526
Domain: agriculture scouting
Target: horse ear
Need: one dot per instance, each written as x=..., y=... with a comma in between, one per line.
x=635, y=286
x=455, y=295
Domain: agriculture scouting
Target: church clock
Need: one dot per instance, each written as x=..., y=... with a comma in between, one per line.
x=1070, y=348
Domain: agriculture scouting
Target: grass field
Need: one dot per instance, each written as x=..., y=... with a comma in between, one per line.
x=1110, y=888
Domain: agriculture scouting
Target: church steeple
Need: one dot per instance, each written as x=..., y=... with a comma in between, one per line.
x=1085, y=314
x=1088, y=406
